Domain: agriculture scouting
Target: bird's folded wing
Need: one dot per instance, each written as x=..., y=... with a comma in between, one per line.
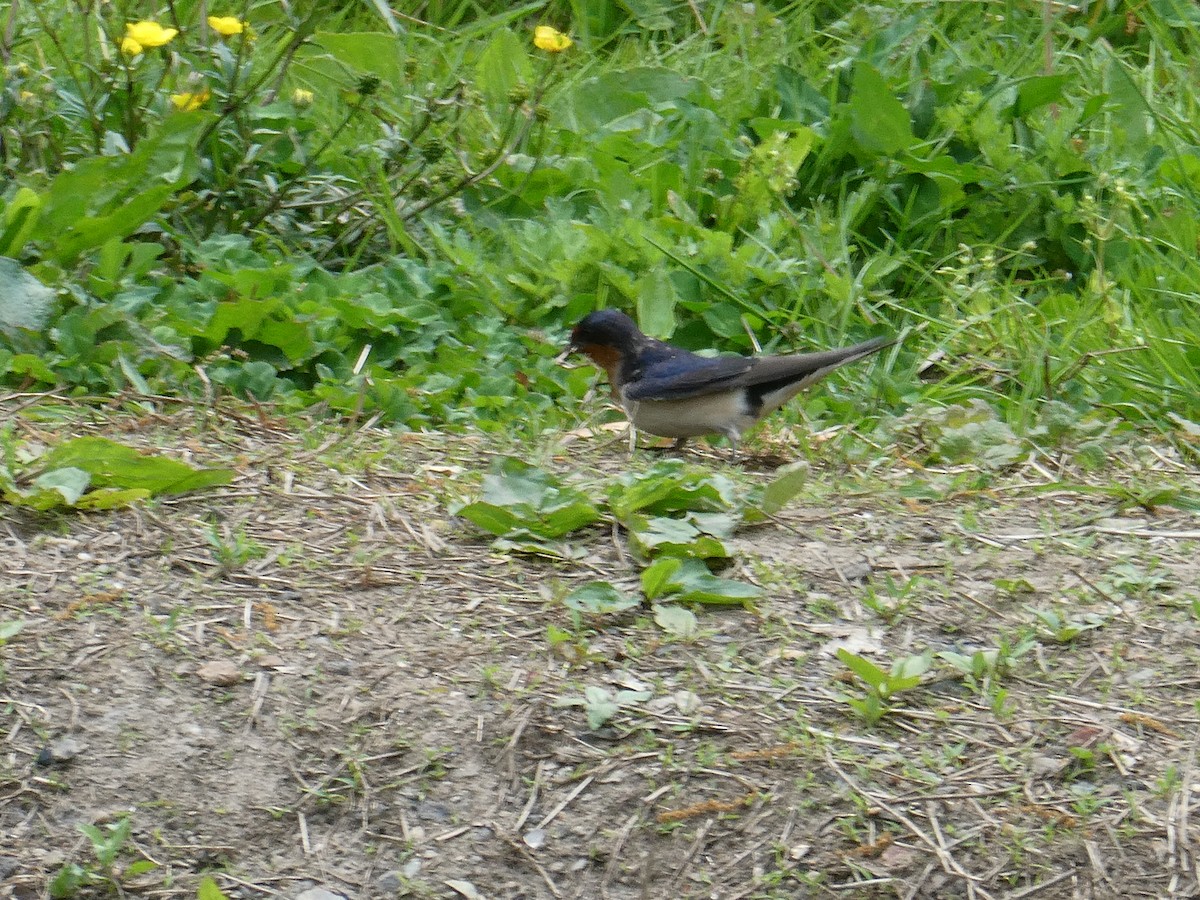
x=685, y=376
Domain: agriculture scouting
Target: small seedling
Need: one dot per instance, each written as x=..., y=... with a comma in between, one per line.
x=233, y=548
x=106, y=846
x=894, y=602
x=1060, y=629
x=602, y=704
x=882, y=685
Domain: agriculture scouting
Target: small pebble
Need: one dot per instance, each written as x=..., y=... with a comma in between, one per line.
x=433, y=812
x=220, y=672
x=389, y=883
x=535, y=838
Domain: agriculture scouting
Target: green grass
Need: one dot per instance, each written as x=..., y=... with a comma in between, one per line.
x=1015, y=191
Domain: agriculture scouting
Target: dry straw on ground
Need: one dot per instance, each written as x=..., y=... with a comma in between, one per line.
x=317, y=676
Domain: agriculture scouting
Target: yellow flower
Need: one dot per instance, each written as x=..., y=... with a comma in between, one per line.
x=188, y=102
x=226, y=26
x=550, y=39
x=139, y=35
x=301, y=97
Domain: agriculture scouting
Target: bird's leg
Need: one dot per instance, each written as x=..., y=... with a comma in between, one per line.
x=678, y=445
x=734, y=436
x=632, y=438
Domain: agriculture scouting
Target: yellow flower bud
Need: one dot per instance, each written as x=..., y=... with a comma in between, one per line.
x=226, y=26
x=147, y=34
x=301, y=97
x=130, y=47
x=550, y=39
x=187, y=102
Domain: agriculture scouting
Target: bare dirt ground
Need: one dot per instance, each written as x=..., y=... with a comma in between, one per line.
x=319, y=678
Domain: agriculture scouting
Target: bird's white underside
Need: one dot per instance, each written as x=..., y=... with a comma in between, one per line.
x=727, y=412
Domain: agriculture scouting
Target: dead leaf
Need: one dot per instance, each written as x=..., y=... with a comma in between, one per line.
x=464, y=889
x=856, y=639
x=896, y=858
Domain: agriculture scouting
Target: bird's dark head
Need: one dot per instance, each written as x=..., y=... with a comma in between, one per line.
x=606, y=328
x=605, y=337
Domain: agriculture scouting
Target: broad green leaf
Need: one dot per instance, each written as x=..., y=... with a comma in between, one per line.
x=9, y=630
x=209, y=890
x=368, y=53
x=676, y=620
x=657, y=576
x=496, y=519
x=111, y=498
x=513, y=481
x=1039, y=91
x=716, y=524
x=695, y=584
x=671, y=486
x=26, y=365
x=564, y=519
x=268, y=321
x=879, y=121
x=105, y=197
x=517, y=495
x=1131, y=119
x=906, y=673
x=24, y=301
x=600, y=598
x=69, y=481
x=960, y=661
x=115, y=465
x=20, y=215
x=912, y=665
x=866, y=670
x=503, y=65
x=672, y=537
x=788, y=482
x=656, y=301
x=141, y=867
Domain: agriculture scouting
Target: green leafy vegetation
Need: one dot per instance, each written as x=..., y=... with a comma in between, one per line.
x=530, y=511
x=93, y=473
x=100, y=873
x=399, y=215
x=880, y=686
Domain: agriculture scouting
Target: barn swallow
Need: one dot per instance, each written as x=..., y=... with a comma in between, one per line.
x=674, y=393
